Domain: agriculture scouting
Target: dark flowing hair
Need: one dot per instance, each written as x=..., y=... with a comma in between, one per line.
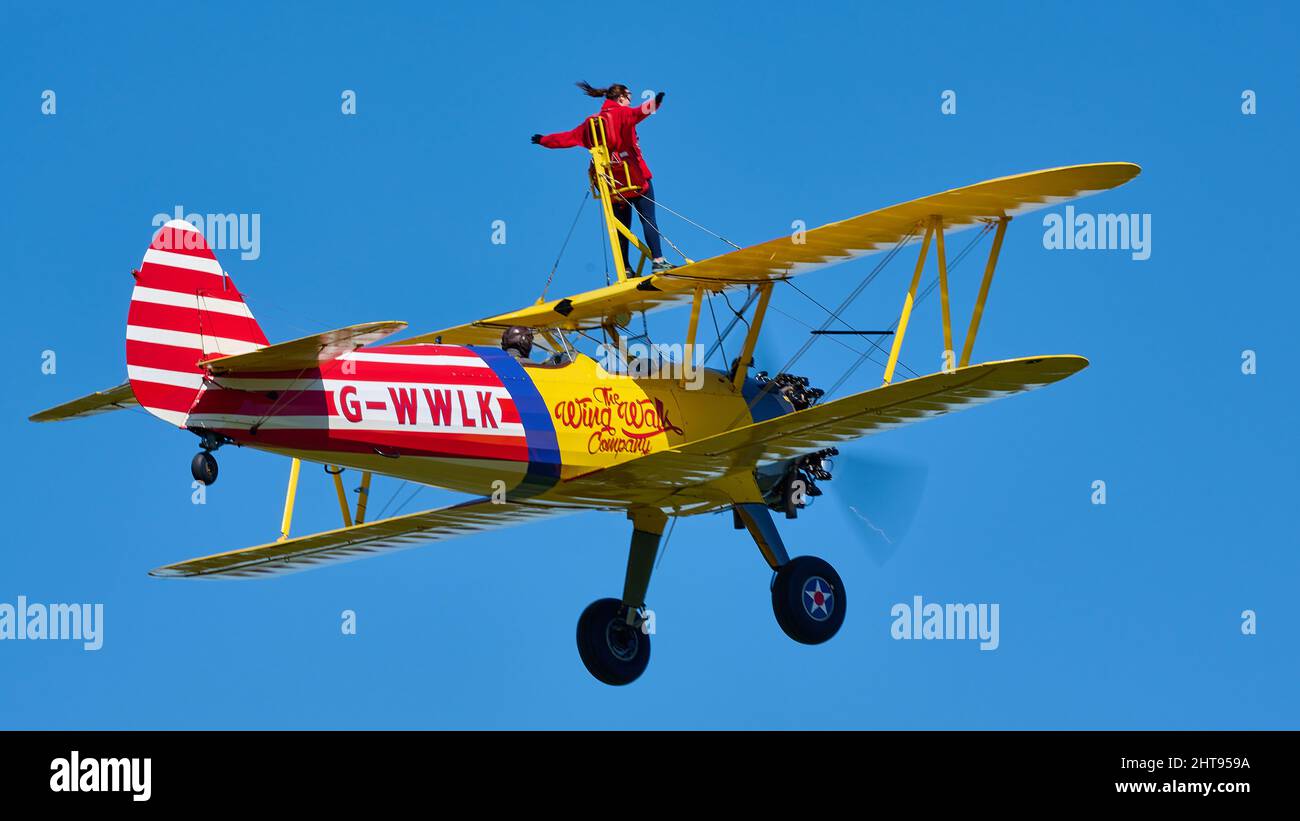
x=612, y=93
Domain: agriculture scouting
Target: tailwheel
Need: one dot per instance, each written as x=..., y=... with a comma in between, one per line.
x=808, y=599
x=204, y=467
x=613, y=651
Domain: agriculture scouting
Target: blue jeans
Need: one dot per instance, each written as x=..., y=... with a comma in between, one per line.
x=646, y=208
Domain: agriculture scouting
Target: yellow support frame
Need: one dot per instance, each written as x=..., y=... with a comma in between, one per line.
x=934, y=227
x=363, y=499
x=978, y=313
x=618, y=342
x=602, y=162
x=942, y=258
x=337, y=473
x=289, y=497
x=751, y=338
x=908, y=302
x=551, y=341
x=688, y=353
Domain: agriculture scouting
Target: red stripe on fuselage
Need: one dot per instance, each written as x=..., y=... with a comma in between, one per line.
x=317, y=402
x=443, y=445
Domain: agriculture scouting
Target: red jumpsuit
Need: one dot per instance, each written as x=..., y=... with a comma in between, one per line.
x=620, y=135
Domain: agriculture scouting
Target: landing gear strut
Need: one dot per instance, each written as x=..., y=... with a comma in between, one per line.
x=614, y=634
x=808, y=597
x=203, y=467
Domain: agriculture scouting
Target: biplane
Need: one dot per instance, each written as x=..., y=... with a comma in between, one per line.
x=541, y=436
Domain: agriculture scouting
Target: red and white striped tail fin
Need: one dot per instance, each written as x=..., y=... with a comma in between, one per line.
x=184, y=308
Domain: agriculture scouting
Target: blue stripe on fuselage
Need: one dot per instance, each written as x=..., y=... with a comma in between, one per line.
x=539, y=430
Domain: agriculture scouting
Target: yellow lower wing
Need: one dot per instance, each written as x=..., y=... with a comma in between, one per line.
x=359, y=541
x=665, y=478
x=678, y=473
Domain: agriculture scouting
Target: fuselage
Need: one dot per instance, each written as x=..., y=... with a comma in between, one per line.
x=470, y=418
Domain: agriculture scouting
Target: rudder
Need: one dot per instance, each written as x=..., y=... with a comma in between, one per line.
x=184, y=308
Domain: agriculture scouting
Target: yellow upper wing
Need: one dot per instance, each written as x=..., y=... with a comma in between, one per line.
x=684, y=472
x=781, y=258
x=359, y=541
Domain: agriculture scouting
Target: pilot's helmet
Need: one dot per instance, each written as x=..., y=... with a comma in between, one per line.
x=518, y=340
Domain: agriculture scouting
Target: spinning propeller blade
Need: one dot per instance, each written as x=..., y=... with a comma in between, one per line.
x=878, y=496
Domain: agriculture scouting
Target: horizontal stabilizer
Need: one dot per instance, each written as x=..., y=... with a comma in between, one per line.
x=306, y=352
x=89, y=405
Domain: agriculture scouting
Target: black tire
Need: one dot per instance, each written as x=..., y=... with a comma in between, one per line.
x=808, y=600
x=611, y=650
x=203, y=467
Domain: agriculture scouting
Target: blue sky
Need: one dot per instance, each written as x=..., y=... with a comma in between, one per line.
x=1125, y=615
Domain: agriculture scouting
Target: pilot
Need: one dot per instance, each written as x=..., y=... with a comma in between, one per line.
x=517, y=341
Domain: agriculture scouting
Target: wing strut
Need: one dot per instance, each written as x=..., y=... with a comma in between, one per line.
x=751, y=338
x=978, y=313
x=688, y=353
x=908, y=302
x=934, y=228
x=290, y=496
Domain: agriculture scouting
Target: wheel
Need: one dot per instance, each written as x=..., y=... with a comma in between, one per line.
x=612, y=650
x=204, y=467
x=808, y=600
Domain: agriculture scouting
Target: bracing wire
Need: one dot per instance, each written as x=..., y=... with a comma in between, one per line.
x=844, y=304
x=726, y=332
x=414, y=493
x=717, y=331
x=834, y=339
x=581, y=207
x=929, y=288
x=870, y=340
x=663, y=551
x=384, y=509
x=612, y=183
x=692, y=222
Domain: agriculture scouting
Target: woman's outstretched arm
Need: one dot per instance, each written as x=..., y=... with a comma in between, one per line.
x=563, y=139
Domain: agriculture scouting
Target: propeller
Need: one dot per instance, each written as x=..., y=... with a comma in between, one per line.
x=877, y=495
x=875, y=492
